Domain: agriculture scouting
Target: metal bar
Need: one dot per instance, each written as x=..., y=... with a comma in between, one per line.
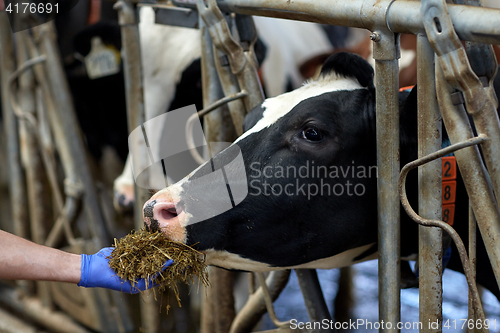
x=132, y=68
x=39, y=202
x=486, y=119
x=54, y=321
x=218, y=128
x=269, y=302
x=313, y=296
x=68, y=211
x=480, y=101
x=17, y=188
x=243, y=64
x=191, y=120
x=230, y=86
x=386, y=52
x=12, y=324
x=473, y=24
x=209, y=95
x=71, y=147
x=179, y=17
x=255, y=306
x=16, y=177
x=473, y=260
x=474, y=173
x=429, y=183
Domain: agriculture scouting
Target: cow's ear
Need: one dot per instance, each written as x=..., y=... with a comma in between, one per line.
x=349, y=65
x=253, y=117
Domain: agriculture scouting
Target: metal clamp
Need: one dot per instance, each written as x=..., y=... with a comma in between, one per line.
x=221, y=35
x=480, y=101
x=243, y=64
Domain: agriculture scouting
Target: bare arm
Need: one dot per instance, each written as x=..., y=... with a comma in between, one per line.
x=21, y=259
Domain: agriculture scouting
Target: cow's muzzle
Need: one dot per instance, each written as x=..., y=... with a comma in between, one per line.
x=162, y=213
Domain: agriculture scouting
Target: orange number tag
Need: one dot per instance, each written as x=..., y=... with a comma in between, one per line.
x=449, y=168
x=449, y=192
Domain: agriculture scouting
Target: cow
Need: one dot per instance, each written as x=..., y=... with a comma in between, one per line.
x=310, y=170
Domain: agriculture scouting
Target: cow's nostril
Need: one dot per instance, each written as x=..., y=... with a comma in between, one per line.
x=168, y=214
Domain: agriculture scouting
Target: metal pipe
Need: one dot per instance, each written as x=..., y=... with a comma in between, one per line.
x=230, y=86
x=313, y=297
x=19, y=224
x=37, y=187
x=16, y=177
x=208, y=86
x=386, y=52
x=243, y=64
x=132, y=68
x=429, y=196
x=191, y=121
x=12, y=324
x=255, y=306
x=54, y=321
x=473, y=260
x=67, y=216
x=269, y=302
x=474, y=173
x=473, y=24
x=68, y=212
x=66, y=129
x=218, y=128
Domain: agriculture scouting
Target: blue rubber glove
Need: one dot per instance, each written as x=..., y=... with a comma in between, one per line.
x=97, y=273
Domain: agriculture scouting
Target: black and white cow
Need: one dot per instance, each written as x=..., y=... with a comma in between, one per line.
x=285, y=221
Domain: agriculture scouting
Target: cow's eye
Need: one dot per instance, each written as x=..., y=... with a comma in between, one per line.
x=312, y=134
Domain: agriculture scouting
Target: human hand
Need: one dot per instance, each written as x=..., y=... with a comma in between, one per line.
x=96, y=272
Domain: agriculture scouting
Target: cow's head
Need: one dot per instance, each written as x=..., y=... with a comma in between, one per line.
x=309, y=165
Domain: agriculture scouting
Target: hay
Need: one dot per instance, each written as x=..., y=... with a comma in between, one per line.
x=143, y=253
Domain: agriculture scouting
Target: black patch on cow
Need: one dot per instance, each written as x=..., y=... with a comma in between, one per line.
x=100, y=106
x=188, y=91
x=349, y=65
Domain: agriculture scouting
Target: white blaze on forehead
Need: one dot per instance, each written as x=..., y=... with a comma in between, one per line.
x=277, y=107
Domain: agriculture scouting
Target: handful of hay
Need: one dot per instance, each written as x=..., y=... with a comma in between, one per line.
x=143, y=253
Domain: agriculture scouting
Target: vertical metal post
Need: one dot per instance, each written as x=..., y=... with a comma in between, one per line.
x=132, y=68
x=218, y=308
x=472, y=168
x=313, y=296
x=386, y=53
x=429, y=185
x=39, y=203
x=473, y=260
x=17, y=191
